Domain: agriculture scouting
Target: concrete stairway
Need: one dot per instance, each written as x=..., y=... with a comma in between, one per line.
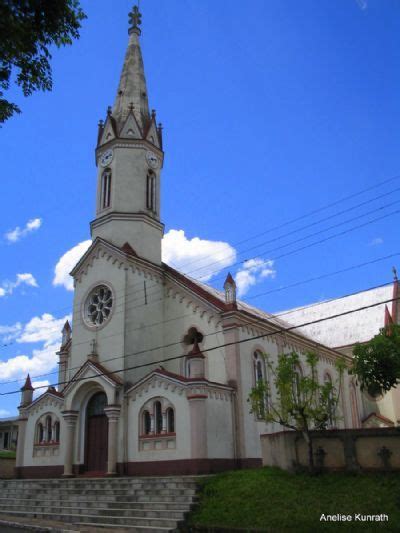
x=147, y=504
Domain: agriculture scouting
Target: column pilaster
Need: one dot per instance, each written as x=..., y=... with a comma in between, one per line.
x=113, y=413
x=70, y=418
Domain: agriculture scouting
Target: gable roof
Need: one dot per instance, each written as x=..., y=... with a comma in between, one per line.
x=171, y=376
x=51, y=391
x=217, y=298
x=99, y=369
x=348, y=329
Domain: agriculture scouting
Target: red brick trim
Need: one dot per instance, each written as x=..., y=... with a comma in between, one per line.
x=39, y=472
x=147, y=468
x=197, y=397
x=156, y=436
x=379, y=417
x=186, y=466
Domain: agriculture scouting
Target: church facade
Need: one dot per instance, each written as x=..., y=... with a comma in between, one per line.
x=156, y=369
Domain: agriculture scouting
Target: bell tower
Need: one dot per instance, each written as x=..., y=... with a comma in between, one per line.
x=129, y=159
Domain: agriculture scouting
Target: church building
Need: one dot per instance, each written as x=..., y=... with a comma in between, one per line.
x=156, y=368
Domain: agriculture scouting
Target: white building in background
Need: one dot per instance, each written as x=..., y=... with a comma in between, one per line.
x=156, y=370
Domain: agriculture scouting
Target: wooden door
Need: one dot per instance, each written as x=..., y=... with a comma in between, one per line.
x=96, y=434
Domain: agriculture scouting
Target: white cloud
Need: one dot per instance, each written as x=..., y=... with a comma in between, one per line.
x=8, y=287
x=67, y=262
x=200, y=258
x=45, y=328
x=40, y=387
x=253, y=271
x=9, y=333
x=18, y=233
x=362, y=4
x=4, y=413
x=376, y=242
x=41, y=361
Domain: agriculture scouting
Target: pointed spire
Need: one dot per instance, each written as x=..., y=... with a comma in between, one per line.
x=66, y=333
x=230, y=289
x=28, y=384
x=132, y=90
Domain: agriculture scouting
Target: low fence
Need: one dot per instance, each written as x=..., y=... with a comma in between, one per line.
x=7, y=466
x=373, y=449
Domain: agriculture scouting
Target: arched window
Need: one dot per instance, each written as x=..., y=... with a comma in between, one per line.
x=158, y=418
x=57, y=431
x=106, y=189
x=49, y=435
x=40, y=433
x=170, y=420
x=330, y=406
x=260, y=377
x=97, y=404
x=151, y=191
x=355, y=414
x=146, y=423
x=298, y=374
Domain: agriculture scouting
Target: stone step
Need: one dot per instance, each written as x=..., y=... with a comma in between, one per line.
x=169, y=524
x=169, y=514
x=65, y=493
x=88, y=526
x=134, y=504
x=146, y=505
x=117, y=481
x=144, y=498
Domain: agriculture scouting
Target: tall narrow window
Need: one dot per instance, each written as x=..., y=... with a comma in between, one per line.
x=260, y=377
x=146, y=423
x=170, y=420
x=151, y=192
x=48, y=429
x=331, y=403
x=158, y=417
x=40, y=433
x=57, y=431
x=106, y=189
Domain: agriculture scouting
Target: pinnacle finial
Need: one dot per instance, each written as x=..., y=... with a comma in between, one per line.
x=394, y=274
x=135, y=20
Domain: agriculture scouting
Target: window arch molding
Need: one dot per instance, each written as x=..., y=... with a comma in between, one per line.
x=47, y=429
x=157, y=417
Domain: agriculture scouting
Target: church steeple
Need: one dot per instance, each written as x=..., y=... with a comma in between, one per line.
x=132, y=90
x=129, y=157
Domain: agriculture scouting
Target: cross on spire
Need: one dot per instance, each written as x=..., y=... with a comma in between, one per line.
x=135, y=19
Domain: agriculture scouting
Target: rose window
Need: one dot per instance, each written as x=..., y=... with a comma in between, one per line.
x=99, y=305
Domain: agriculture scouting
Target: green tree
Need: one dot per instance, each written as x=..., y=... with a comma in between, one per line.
x=28, y=28
x=300, y=402
x=377, y=362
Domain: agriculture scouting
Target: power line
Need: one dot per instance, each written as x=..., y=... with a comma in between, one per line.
x=141, y=352
x=123, y=305
x=225, y=345
x=301, y=217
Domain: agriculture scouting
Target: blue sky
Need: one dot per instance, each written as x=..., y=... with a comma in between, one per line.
x=270, y=111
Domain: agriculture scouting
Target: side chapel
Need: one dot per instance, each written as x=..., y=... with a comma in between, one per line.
x=155, y=372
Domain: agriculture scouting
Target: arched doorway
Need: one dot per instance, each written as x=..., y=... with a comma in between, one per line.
x=96, y=445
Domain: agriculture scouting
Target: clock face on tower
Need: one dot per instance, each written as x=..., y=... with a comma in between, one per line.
x=106, y=158
x=152, y=159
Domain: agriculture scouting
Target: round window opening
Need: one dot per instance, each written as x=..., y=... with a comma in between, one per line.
x=98, y=306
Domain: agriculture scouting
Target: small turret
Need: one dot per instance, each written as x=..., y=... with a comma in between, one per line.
x=27, y=392
x=66, y=334
x=197, y=360
x=230, y=290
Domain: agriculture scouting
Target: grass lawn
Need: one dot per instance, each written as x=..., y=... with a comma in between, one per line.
x=271, y=500
x=7, y=454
